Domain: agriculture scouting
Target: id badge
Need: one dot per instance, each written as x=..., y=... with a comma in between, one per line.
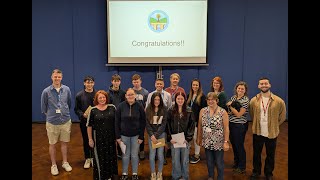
x=58, y=111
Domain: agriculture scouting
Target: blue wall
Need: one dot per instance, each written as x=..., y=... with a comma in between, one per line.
x=247, y=39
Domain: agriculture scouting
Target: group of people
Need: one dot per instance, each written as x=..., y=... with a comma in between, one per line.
x=113, y=124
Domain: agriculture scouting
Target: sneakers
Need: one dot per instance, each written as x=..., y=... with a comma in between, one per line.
x=153, y=176
x=194, y=159
x=67, y=166
x=135, y=177
x=239, y=171
x=141, y=155
x=54, y=170
x=87, y=163
x=159, y=176
x=124, y=177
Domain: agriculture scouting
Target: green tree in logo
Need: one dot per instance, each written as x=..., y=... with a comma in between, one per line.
x=158, y=16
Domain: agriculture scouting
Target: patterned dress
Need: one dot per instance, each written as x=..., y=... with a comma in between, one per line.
x=213, y=132
x=105, y=158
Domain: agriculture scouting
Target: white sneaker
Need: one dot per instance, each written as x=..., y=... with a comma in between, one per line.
x=87, y=163
x=159, y=176
x=67, y=166
x=91, y=159
x=54, y=170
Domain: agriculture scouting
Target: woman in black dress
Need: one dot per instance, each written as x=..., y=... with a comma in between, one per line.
x=101, y=136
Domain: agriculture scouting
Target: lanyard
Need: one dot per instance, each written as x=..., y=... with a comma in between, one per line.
x=265, y=109
x=192, y=100
x=213, y=112
x=59, y=99
x=174, y=94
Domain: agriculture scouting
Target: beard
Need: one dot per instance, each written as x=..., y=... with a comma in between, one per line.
x=264, y=90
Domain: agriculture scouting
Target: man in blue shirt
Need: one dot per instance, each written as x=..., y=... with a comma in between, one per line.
x=56, y=104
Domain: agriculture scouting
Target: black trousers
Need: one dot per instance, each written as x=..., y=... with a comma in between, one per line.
x=258, y=142
x=237, y=137
x=88, y=151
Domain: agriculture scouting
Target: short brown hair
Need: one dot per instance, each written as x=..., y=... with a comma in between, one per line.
x=212, y=95
x=116, y=77
x=57, y=71
x=135, y=77
x=160, y=79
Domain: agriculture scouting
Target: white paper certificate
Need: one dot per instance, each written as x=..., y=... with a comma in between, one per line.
x=179, y=138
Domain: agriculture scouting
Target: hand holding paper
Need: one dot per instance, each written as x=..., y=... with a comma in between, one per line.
x=160, y=143
x=88, y=110
x=180, y=139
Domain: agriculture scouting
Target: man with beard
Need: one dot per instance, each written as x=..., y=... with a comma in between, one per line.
x=267, y=112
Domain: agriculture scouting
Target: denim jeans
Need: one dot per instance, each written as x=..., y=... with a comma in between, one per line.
x=132, y=150
x=215, y=157
x=152, y=155
x=180, y=162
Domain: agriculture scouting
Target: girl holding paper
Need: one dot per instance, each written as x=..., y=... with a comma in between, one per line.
x=156, y=120
x=181, y=124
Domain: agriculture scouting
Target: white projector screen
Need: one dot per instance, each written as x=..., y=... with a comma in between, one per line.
x=167, y=32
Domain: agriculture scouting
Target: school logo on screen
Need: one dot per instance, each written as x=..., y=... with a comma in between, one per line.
x=158, y=21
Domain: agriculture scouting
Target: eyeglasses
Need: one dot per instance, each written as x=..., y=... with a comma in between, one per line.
x=130, y=94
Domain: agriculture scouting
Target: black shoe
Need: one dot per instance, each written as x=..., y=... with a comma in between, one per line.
x=135, y=177
x=254, y=176
x=269, y=177
x=124, y=177
x=239, y=171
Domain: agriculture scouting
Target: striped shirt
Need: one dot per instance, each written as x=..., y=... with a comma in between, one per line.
x=244, y=101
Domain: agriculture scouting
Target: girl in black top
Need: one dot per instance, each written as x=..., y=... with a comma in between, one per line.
x=156, y=120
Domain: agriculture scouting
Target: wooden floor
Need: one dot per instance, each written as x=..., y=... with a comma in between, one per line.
x=41, y=160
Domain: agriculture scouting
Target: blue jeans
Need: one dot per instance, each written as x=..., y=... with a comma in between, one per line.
x=132, y=149
x=180, y=162
x=215, y=157
x=152, y=155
